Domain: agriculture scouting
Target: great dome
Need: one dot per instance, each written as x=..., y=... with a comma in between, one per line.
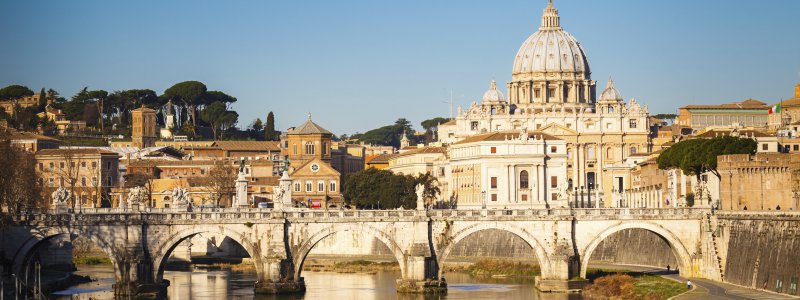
x=551, y=50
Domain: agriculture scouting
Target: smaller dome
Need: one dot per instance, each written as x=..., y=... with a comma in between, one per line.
x=610, y=93
x=493, y=95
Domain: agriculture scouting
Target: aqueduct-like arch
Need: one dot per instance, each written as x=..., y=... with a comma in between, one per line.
x=676, y=245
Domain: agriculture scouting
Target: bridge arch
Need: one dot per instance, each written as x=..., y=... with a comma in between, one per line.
x=27, y=251
x=163, y=250
x=538, y=249
x=678, y=249
x=305, y=247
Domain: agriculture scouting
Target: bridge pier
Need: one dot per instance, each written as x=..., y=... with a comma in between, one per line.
x=134, y=279
x=277, y=277
x=421, y=277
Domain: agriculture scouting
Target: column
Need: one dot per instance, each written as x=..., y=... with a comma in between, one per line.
x=598, y=177
x=575, y=151
x=581, y=160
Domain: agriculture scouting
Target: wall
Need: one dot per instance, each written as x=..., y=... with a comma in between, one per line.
x=635, y=247
x=761, y=250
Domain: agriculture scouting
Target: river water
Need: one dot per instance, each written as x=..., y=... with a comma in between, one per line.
x=225, y=284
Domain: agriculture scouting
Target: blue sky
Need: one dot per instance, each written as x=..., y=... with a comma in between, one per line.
x=359, y=64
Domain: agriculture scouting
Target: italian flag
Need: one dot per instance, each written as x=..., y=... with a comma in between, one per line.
x=775, y=109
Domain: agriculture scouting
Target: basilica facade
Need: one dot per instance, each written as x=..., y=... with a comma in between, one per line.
x=551, y=96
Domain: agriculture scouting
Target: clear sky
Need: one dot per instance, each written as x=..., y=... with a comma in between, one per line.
x=359, y=64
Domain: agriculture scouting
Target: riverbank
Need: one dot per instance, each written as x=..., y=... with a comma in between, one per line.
x=622, y=284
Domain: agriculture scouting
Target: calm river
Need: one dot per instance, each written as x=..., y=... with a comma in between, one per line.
x=224, y=284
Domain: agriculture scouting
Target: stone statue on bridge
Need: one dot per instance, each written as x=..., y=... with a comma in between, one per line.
x=180, y=197
x=282, y=198
x=420, y=196
x=136, y=197
x=60, y=197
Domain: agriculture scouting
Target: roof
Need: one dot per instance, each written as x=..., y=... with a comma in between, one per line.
x=746, y=104
x=247, y=145
x=144, y=109
x=309, y=127
x=379, y=159
x=727, y=132
x=268, y=180
x=422, y=150
x=503, y=136
x=74, y=151
x=22, y=135
x=451, y=122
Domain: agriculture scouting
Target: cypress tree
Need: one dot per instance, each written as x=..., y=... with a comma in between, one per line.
x=269, y=130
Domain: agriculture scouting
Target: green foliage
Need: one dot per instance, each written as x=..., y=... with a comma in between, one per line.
x=690, y=199
x=380, y=189
x=387, y=135
x=190, y=93
x=15, y=91
x=269, y=130
x=696, y=156
x=217, y=96
x=430, y=124
x=490, y=267
x=665, y=116
x=219, y=117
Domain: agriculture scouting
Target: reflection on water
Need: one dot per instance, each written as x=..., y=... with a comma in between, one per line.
x=224, y=284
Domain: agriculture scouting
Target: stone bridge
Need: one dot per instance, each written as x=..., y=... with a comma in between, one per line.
x=278, y=242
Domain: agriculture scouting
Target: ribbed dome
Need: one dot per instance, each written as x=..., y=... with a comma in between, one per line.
x=551, y=49
x=610, y=93
x=493, y=95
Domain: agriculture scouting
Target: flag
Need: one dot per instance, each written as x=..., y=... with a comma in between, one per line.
x=775, y=109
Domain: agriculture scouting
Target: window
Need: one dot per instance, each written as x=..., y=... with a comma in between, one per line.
x=94, y=181
x=553, y=149
x=324, y=148
x=333, y=186
x=474, y=125
x=554, y=196
x=537, y=93
x=320, y=186
x=61, y=165
x=553, y=181
x=524, y=197
x=83, y=181
x=551, y=93
x=52, y=165
x=611, y=109
x=632, y=123
x=569, y=153
x=609, y=153
x=494, y=182
x=590, y=153
x=61, y=181
x=493, y=150
x=41, y=166
x=108, y=165
x=294, y=149
x=72, y=165
x=494, y=197
x=796, y=147
x=297, y=187
x=764, y=147
x=51, y=181
x=309, y=186
x=633, y=150
x=523, y=179
x=109, y=182
x=83, y=164
x=94, y=165
x=310, y=148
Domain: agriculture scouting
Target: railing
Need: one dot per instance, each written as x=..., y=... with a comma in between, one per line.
x=237, y=214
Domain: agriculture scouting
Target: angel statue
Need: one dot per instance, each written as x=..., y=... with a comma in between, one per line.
x=180, y=196
x=420, y=196
x=60, y=196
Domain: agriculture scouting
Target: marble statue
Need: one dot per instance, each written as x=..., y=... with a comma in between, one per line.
x=420, y=196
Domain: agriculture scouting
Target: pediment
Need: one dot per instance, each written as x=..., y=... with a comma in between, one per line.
x=308, y=169
x=557, y=130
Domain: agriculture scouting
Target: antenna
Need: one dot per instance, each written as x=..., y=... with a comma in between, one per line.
x=451, y=103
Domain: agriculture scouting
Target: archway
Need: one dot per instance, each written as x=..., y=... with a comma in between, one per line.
x=305, y=248
x=539, y=251
x=676, y=246
x=164, y=250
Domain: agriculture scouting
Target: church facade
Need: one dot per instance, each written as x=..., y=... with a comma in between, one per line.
x=552, y=94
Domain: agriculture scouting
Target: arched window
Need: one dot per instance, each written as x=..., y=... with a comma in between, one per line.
x=590, y=153
x=609, y=153
x=633, y=150
x=610, y=109
x=523, y=179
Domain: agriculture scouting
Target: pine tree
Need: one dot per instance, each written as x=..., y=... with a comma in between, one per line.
x=269, y=130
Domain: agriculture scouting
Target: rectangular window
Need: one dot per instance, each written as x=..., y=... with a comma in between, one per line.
x=321, y=186
x=554, y=196
x=94, y=181
x=297, y=187
x=109, y=182
x=764, y=147
x=294, y=149
x=52, y=165
x=41, y=167
x=553, y=181
x=83, y=164
x=632, y=123
x=524, y=197
x=494, y=197
x=83, y=181
x=494, y=182
x=474, y=125
x=493, y=150
x=333, y=186
x=553, y=149
x=551, y=93
x=309, y=186
x=94, y=165
x=310, y=149
x=537, y=93
x=108, y=165
x=324, y=148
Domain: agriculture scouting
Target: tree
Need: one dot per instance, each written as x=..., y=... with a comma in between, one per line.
x=15, y=92
x=269, y=130
x=697, y=156
x=42, y=100
x=191, y=94
x=122, y=102
x=431, y=126
x=387, y=135
x=381, y=189
x=219, y=118
x=20, y=186
x=255, y=129
x=222, y=182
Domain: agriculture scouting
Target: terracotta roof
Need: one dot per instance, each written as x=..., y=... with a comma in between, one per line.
x=309, y=127
x=423, y=150
x=54, y=111
x=789, y=102
x=247, y=145
x=78, y=151
x=503, y=136
x=379, y=159
x=164, y=162
x=22, y=135
x=746, y=104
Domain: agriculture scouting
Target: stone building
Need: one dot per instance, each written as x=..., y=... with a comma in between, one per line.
x=747, y=113
x=90, y=172
x=790, y=111
x=60, y=119
x=416, y=161
x=32, y=142
x=764, y=181
x=315, y=181
x=143, y=128
x=34, y=100
x=552, y=92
